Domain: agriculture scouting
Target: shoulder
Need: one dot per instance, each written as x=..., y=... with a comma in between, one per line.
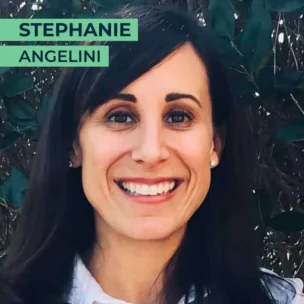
x=283, y=290
x=85, y=289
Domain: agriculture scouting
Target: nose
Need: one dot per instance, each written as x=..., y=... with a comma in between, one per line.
x=150, y=148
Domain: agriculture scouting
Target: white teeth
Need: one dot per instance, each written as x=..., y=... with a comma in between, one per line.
x=172, y=185
x=132, y=188
x=145, y=189
x=140, y=189
x=153, y=190
x=137, y=189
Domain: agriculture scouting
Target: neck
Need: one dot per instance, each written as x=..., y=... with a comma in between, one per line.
x=131, y=270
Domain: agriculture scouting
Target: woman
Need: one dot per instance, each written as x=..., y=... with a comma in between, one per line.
x=142, y=181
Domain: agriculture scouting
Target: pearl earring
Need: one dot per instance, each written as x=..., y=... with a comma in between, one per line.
x=213, y=163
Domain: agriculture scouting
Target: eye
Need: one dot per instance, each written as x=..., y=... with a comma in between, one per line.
x=120, y=117
x=180, y=117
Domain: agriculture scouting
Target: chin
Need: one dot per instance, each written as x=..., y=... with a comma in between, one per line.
x=149, y=230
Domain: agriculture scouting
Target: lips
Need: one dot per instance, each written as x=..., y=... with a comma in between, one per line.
x=148, y=181
x=144, y=190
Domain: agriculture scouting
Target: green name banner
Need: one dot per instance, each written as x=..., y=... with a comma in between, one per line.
x=54, y=56
x=68, y=29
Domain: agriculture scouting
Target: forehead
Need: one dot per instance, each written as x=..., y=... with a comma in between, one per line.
x=182, y=70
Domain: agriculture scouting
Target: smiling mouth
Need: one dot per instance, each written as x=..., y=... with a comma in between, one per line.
x=156, y=190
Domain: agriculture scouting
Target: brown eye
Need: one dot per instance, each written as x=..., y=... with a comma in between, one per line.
x=120, y=117
x=180, y=117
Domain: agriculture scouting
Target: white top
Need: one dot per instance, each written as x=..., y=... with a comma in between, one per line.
x=86, y=290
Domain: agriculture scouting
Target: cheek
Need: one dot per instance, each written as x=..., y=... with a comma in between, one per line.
x=101, y=149
x=194, y=147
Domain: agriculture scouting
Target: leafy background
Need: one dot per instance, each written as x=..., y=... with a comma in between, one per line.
x=262, y=43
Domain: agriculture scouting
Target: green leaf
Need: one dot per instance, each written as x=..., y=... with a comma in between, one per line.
x=42, y=108
x=289, y=81
x=27, y=129
x=242, y=88
x=292, y=132
x=262, y=62
x=284, y=6
x=295, y=14
x=14, y=188
x=62, y=5
x=240, y=8
x=46, y=13
x=4, y=70
x=16, y=84
x=256, y=5
x=256, y=41
x=76, y=5
x=18, y=109
x=228, y=52
x=288, y=222
x=8, y=140
x=265, y=81
x=84, y=15
x=20, y=115
x=222, y=18
x=109, y=4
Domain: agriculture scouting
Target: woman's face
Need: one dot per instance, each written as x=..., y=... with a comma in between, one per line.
x=156, y=134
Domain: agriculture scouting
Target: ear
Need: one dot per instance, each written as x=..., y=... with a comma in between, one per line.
x=76, y=155
x=218, y=144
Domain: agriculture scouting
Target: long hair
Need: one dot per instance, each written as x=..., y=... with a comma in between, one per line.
x=217, y=255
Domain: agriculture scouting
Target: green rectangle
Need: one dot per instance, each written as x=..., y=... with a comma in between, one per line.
x=68, y=29
x=54, y=56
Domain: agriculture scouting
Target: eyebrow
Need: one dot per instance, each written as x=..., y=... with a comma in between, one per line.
x=169, y=97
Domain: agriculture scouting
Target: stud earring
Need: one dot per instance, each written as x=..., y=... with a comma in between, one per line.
x=70, y=164
x=213, y=163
